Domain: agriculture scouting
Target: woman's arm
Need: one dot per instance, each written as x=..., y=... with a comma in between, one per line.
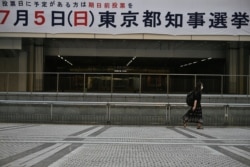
x=194, y=106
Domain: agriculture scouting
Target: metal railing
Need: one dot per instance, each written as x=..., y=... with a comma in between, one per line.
x=122, y=83
x=109, y=113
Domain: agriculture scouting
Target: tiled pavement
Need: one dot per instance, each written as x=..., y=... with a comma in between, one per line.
x=122, y=146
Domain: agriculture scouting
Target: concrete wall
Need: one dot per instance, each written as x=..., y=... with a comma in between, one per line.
x=120, y=97
x=213, y=116
x=119, y=115
x=14, y=63
x=130, y=36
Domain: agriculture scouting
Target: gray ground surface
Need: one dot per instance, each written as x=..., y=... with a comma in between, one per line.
x=122, y=146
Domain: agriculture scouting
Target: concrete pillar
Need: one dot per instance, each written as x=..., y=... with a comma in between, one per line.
x=241, y=71
x=22, y=77
x=38, y=64
x=248, y=73
x=232, y=62
x=238, y=64
x=35, y=65
x=30, y=66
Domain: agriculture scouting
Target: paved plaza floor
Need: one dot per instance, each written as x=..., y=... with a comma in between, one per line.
x=42, y=145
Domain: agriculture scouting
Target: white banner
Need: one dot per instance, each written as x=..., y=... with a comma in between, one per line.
x=174, y=17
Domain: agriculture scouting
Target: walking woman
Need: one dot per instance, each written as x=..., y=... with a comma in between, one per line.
x=194, y=114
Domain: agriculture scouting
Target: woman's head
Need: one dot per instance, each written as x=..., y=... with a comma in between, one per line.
x=199, y=86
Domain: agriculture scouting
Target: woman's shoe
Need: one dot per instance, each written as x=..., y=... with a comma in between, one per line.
x=184, y=124
x=199, y=126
